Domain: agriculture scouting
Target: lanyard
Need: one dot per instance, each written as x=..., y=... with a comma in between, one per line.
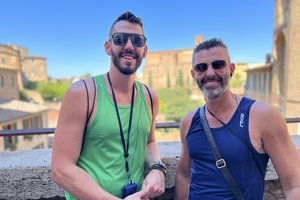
x=125, y=147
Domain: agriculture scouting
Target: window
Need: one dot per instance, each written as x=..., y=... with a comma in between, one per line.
x=31, y=123
x=3, y=60
x=254, y=82
x=36, y=122
x=10, y=141
x=1, y=81
x=262, y=81
x=26, y=123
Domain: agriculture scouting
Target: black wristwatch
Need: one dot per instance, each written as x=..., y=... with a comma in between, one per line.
x=159, y=166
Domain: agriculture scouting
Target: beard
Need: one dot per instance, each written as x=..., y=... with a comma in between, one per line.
x=128, y=69
x=214, y=93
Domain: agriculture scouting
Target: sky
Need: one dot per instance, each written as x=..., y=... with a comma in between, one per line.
x=71, y=33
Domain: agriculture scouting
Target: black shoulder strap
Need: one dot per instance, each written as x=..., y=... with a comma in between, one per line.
x=88, y=115
x=150, y=98
x=242, y=141
x=220, y=162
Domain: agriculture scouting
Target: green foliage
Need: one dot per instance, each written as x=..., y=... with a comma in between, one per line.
x=31, y=85
x=12, y=146
x=87, y=75
x=237, y=81
x=180, y=78
x=176, y=102
x=53, y=91
x=23, y=95
x=168, y=80
x=188, y=80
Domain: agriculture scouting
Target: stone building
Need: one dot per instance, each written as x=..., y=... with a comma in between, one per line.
x=16, y=114
x=169, y=68
x=34, y=68
x=10, y=73
x=277, y=82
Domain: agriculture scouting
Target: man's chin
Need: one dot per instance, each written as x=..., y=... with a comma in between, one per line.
x=127, y=71
x=212, y=93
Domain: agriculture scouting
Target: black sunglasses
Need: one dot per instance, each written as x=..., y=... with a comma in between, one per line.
x=120, y=39
x=217, y=64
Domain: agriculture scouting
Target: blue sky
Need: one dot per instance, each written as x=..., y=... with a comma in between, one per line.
x=71, y=33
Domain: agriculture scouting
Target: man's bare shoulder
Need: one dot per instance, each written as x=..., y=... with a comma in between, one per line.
x=78, y=88
x=262, y=111
x=267, y=120
x=187, y=119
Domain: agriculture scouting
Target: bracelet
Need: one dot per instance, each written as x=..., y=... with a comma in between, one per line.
x=159, y=166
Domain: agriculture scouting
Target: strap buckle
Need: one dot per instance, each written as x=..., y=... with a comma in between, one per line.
x=220, y=163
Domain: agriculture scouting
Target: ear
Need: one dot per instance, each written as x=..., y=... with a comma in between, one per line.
x=232, y=69
x=193, y=74
x=107, y=47
x=145, y=51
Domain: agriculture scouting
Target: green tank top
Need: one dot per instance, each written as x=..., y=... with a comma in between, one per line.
x=102, y=155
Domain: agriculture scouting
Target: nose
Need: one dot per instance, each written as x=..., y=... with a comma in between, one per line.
x=129, y=44
x=210, y=70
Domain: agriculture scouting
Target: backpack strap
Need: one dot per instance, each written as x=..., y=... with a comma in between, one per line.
x=150, y=98
x=88, y=115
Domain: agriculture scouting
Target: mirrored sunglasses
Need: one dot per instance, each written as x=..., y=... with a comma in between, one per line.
x=216, y=65
x=120, y=39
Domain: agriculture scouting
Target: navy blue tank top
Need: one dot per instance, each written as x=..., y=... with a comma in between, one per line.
x=207, y=181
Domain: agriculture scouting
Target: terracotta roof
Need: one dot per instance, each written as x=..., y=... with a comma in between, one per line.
x=14, y=109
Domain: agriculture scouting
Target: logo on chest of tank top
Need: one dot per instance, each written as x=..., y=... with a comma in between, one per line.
x=242, y=116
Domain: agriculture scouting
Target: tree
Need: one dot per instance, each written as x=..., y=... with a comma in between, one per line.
x=87, y=75
x=237, y=81
x=53, y=91
x=23, y=95
x=180, y=78
x=31, y=85
x=176, y=102
x=168, y=80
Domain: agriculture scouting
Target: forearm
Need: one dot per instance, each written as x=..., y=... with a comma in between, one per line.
x=293, y=193
x=152, y=153
x=77, y=182
x=182, y=184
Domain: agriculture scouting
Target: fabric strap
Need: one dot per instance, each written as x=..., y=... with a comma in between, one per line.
x=88, y=115
x=151, y=100
x=220, y=162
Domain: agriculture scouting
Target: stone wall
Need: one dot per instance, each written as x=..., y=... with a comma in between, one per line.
x=27, y=175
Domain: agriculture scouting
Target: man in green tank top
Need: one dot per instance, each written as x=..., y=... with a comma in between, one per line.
x=105, y=130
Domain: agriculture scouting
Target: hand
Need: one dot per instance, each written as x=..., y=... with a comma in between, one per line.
x=154, y=183
x=141, y=195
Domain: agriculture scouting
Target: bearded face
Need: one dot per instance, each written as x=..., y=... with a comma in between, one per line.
x=130, y=62
x=213, y=91
x=211, y=71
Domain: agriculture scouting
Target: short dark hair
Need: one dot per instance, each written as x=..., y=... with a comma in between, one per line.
x=207, y=44
x=127, y=16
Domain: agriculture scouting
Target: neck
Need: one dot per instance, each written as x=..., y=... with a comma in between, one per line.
x=221, y=109
x=224, y=103
x=121, y=82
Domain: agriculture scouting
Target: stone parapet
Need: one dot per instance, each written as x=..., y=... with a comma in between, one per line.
x=27, y=175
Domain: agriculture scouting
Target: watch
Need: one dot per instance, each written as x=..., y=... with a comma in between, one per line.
x=159, y=166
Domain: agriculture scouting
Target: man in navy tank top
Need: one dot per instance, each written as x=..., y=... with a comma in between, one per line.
x=246, y=132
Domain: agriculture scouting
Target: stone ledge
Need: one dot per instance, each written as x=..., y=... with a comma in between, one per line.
x=27, y=175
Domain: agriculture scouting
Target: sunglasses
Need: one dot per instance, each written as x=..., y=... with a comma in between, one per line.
x=217, y=64
x=120, y=39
